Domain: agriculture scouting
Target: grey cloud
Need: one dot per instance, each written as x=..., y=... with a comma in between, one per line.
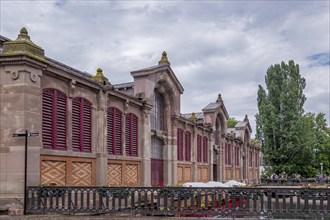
x=213, y=46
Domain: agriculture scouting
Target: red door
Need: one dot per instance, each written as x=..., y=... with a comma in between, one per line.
x=157, y=172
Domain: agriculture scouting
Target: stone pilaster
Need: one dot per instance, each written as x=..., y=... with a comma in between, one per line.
x=146, y=147
x=21, y=67
x=100, y=138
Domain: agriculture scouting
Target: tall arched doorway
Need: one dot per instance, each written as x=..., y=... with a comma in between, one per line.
x=157, y=119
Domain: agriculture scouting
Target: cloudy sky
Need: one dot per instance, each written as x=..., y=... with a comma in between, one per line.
x=213, y=46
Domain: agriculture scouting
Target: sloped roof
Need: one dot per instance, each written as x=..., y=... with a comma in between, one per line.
x=124, y=85
x=212, y=106
x=242, y=124
x=199, y=116
x=159, y=67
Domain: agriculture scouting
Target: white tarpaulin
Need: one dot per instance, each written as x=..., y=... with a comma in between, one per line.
x=232, y=183
x=195, y=184
x=216, y=184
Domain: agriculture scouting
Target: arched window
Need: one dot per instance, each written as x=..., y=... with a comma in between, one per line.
x=157, y=112
x=131, y=133
x=81, y=125
x=157, y=148
x=54, y=119
x=114, y=133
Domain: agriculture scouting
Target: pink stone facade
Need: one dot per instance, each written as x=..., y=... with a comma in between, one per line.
x=163, y=155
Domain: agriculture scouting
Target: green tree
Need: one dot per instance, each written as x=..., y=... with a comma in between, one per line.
x=231, y=122
x=321, y=146
x=280, y=120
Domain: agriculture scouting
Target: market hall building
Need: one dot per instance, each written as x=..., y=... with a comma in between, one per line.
x=95, y=133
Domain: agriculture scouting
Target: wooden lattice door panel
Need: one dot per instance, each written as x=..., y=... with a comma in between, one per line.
x=228, y=174
x=114, y=174
x=69, y=171
x=123, y=173
x=132, y=174
x=53, y=172
x=81, y=173
x=184, y=173
x=202, y=174
x=250, y=173
x=237, y=174
x=180, y=174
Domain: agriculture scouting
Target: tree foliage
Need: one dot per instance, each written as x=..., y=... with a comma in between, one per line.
x=231, y=122
x=292, y=142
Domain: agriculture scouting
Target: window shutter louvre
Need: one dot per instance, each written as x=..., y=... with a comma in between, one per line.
x=199, y=148
x=205, y=150
x=76, y=124
x=128, y=135
x=114, y=133
x=180, y=144
x=131, y=135
x=61, y=122
x=134, y=135
x=47, y=117
x=87, y=126
x=110, y=131
x=53, y=119
x=118, y=129
x=188, y=145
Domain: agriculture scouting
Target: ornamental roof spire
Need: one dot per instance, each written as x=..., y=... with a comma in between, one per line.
x=100, y=78
x=219, y=99
x=23, y=46
x=164, y=59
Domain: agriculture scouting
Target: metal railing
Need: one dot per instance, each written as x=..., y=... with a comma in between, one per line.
x=292, y=182
x=182, y=201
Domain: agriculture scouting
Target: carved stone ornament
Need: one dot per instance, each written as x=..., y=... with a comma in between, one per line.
x=72, y=87
x=126, y=105
x=33, y=77
x=14, y=75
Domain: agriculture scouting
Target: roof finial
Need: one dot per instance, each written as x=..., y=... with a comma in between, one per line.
x=246, y=118
x=219, y=99
x=164, y=58
x=24, y=31
x=193, y=117
x=100, y=78
x=23, y=46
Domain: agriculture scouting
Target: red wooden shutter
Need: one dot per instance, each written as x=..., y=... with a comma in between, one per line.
x=76, y=124
x=61, y=121
x=87, y=126
x=188, y=145
x=180, y=144
x=205, y=150
x=131, y=136
x=114, y=134
x=199, y=148
x=110, y=131
x=47, y=118
x=118, y=132
x=134, y=128
x=128, y=135
x=54, y=119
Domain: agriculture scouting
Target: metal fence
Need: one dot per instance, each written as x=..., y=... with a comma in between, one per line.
x=293, y=182
x=182, y=201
